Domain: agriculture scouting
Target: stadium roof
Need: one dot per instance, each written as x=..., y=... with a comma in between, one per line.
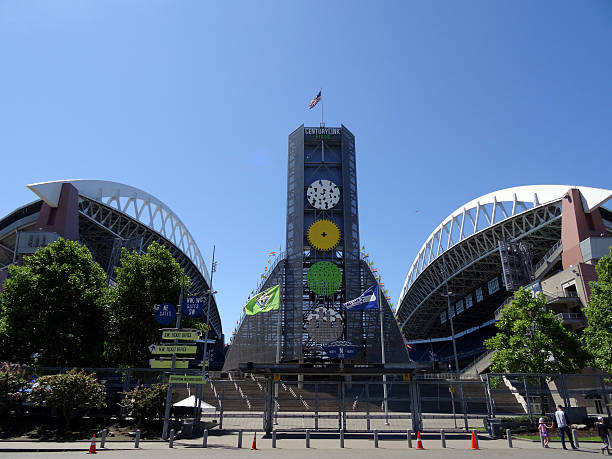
x=139, y=204
x=469, y=236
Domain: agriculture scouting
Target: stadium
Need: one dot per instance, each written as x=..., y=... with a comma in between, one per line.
x=544, y=237
x=104, y=216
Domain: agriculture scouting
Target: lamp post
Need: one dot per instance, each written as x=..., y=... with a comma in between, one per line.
x=210, y=293
x=448, y=296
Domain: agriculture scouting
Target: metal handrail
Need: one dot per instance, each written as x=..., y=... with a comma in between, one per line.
x=546, y=255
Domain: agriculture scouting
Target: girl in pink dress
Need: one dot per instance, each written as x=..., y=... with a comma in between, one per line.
x=543, y=428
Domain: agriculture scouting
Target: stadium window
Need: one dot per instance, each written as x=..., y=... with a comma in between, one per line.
x=451, y=312
x=478, y=295
x=459, y=306
x=443, y=317
x=468, y=302
x=493, y=285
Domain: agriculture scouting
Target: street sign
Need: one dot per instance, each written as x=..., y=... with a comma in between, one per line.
x=185, y=335
x=193, y=306
x=406, y=377
x=165, y=313
x=179, y=364
x=276, y=377
x=172, y=349
x=190, y=379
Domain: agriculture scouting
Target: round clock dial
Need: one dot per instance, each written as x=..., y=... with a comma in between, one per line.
x=323, y=235
x=324, y=325
x=324, y=278
x=323, y=194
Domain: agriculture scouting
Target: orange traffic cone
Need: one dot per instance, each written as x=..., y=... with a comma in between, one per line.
x=92, y=446
x=474, y=441
x=419, y=442
x=254, y=444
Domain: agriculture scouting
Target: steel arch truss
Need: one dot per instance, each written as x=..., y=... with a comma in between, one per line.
x=100, y=222
x=474, y=260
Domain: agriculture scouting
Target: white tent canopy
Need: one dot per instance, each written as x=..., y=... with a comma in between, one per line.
x=191, y=401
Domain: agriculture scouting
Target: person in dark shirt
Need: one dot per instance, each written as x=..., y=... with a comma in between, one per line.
x=604, y=433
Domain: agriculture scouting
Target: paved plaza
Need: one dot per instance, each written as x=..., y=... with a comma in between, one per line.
x=356, y=446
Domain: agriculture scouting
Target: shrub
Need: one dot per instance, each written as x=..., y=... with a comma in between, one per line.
x=13, y=383
x=71, y=393
x=145, y=403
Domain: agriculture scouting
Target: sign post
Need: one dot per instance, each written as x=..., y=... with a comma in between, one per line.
x=172, y=366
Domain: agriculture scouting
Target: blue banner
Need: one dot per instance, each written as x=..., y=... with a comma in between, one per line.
x=368, y=300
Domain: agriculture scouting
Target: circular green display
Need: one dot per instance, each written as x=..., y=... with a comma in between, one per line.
x=324, y=278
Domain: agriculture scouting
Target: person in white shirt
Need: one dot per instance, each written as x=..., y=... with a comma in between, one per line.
x=564, y=429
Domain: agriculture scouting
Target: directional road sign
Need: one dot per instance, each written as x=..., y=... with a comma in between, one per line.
x=190, y=379
x=172, y=349
x=185, y=335
x=179, y=364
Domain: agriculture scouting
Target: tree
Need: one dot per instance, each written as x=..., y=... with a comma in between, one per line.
x=142, y=281
x=532, y=340
x=70, y=393
x=145, y=403
x=13, y=385
x=598, y=332
x=52, y=308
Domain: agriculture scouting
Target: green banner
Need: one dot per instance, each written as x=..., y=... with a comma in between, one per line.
x=264, y=301
x=190, y=379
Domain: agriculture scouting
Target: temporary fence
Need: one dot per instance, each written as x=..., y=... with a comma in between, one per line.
x=425, y=402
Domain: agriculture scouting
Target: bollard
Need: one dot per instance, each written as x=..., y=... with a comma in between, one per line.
x=443, y=438
x=341, y=438
x=375, y=438
x=171, y=442
x=509, y=435
x=274, y=439
x=307, y=438
x=575, y=435
x=137, y=439
x=240, y=438
x=409, y=436
x=103, y=439
x=205, y=439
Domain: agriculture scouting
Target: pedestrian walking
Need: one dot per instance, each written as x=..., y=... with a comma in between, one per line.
x=543, y=428
x=604, y=433
x=563, y=425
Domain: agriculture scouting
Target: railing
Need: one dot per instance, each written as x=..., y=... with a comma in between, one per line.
x=564, y=316
x=544, y=259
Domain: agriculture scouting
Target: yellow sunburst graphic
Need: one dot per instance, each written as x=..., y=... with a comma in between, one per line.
x=323, y=235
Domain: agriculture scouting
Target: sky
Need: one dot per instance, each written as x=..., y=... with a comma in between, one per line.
x=193, y=101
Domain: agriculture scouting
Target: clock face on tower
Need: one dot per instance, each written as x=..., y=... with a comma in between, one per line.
x=323, y=194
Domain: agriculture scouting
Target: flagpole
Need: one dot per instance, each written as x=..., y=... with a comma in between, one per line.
x=322, y=123
x=382, y=350
x=279, y=331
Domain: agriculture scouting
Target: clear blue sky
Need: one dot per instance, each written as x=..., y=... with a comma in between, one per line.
x=192, y=101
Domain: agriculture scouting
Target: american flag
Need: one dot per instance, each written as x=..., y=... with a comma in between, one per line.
x=315, y=101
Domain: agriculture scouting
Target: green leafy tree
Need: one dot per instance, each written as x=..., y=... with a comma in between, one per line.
x=142, y=281
x=52, y=308
x=598, y=333
x=13, y=383
x=145, y=403
x=71, y=393
x=532, y=340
